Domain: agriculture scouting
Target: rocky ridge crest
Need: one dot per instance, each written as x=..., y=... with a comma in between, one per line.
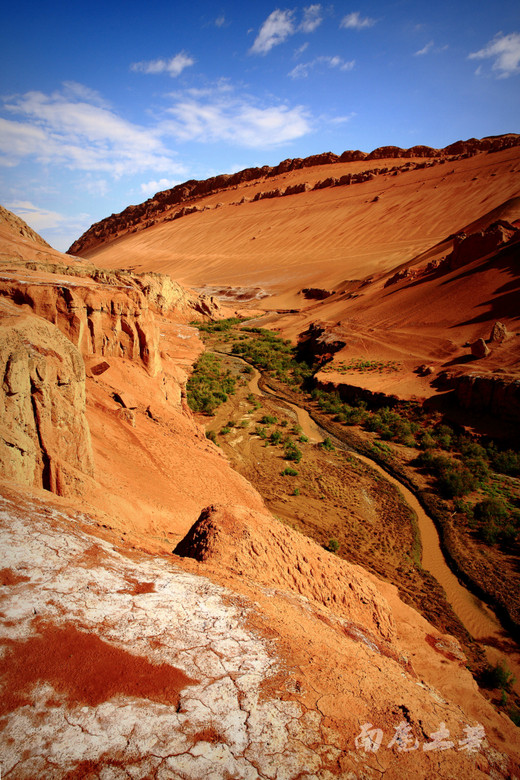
x=163, y=204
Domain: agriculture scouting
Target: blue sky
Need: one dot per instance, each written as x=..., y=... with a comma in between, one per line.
x=103, y=104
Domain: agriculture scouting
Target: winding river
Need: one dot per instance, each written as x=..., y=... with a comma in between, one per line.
x=477, y=617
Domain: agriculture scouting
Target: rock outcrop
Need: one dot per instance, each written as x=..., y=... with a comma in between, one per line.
x=467, y=248
x=239, y=540
x=20, y=228
x=492, y=394
x=499, y=333
x=44, y=435
x=320, y=342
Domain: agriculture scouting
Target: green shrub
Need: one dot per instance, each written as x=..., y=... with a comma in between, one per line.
x=289, y=472
x=457, y=480
x=332, y=546
x=276, y=437
x=506, y=462
x=209, y=386
x=292, y=452
x=225, y=430
x=267, y=419
x=498, y=676
x=212, y=436
x=296, y=492
x=444, y=436
x=491, y=515
x=427, y=441
x=327, y=444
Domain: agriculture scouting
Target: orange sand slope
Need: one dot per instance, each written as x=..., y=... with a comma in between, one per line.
x=320, y=237
x=386, y=255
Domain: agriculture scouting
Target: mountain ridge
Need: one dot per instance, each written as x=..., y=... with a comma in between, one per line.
x=111, y=227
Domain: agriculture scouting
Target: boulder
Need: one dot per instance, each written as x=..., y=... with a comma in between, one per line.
x=480, y=349
x=499, y=333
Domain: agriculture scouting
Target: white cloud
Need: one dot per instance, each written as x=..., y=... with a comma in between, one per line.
x=303, y=69
x=429, y=48
x=151, y=187
x=340, y=120
x=37, y=218
x=56, y=129
x=58, y=229
x=355, y=21
x=173, y=67
x=505, y=50
x=276, y=28
x=73, y=90
x=311, y=18
x=425, y=49
x=220, y=21
x=299, y=51
x=236, y=121
x=96, y=187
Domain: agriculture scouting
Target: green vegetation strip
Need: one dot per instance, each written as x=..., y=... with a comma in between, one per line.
x=474, y=476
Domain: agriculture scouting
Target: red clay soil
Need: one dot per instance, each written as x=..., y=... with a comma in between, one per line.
x=84, y=669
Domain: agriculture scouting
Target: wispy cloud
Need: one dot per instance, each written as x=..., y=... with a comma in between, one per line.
x=173, y=66
x=75, y=91
x=275, y=30
x=505, y=51
x=425, y=49
x=60, y=230
x=57, y=129
x=236, y=121
x=36, y=217
x=220, y=21
x=429, y=48
x=312, y=18
x=151, y=187
x=303, y=69
x=280, y=25
x=354, y=21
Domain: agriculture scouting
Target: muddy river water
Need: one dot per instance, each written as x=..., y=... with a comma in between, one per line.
x=477, y=617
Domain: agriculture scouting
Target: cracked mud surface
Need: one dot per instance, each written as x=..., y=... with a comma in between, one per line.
x=119, y=665
x=184, y=699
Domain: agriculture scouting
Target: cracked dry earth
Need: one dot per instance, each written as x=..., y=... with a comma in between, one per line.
x=169, y=682
x=119, y=664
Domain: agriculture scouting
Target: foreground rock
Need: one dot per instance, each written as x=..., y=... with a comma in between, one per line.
x=44, y=435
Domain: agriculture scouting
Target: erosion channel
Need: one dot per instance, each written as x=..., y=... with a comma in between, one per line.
x=339, y=495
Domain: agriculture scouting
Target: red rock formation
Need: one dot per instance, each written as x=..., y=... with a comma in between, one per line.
x=468, y=248
x=44, y=436
x=19, y=227
x=147, y=213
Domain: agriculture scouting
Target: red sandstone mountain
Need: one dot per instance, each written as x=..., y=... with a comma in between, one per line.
x=403, y=255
